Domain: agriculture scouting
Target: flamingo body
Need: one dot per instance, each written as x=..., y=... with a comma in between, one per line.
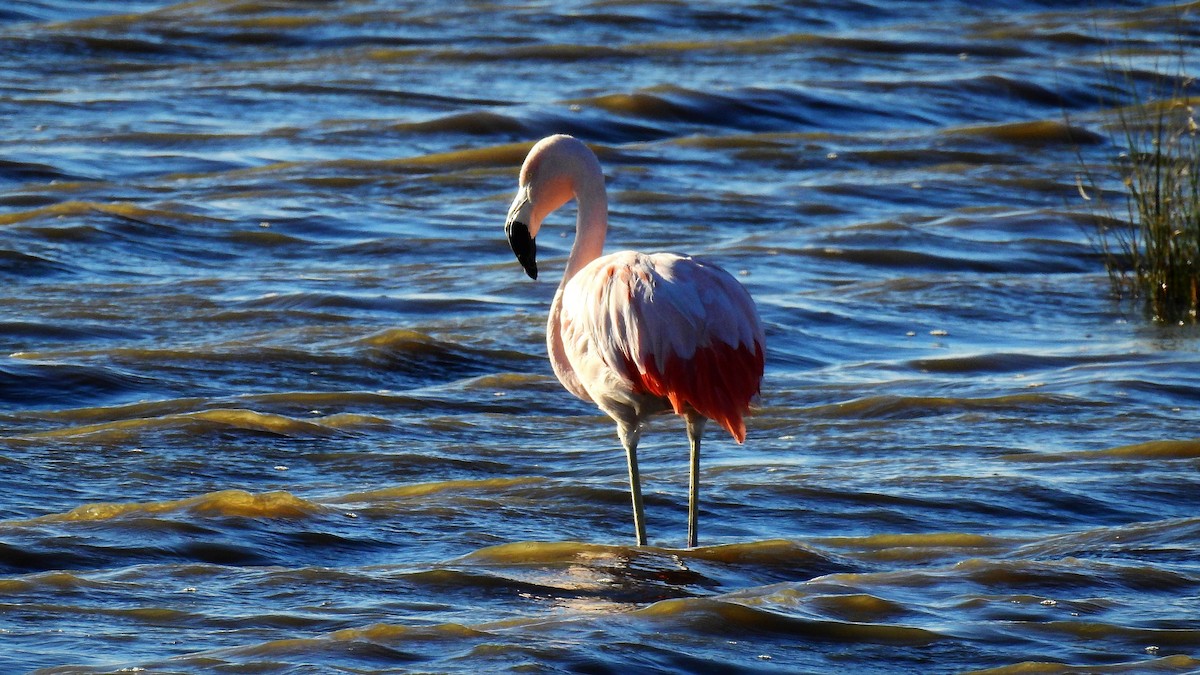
x=637, y=334
x=663, y=331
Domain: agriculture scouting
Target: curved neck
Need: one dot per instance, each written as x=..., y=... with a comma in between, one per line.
x=591, y=221
x=591, y=224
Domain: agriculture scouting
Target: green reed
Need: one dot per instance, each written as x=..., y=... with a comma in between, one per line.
x=1153, y=253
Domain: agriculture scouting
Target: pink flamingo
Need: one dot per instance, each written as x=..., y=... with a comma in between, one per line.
x=637, y=334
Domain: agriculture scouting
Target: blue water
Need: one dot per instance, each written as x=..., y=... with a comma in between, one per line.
x=274, y=393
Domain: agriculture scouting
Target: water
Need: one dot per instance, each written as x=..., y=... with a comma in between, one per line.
x=273, y=390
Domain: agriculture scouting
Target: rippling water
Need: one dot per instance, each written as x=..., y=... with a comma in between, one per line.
x=273, y=390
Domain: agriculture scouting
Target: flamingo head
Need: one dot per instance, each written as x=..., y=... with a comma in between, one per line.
x=548, y=180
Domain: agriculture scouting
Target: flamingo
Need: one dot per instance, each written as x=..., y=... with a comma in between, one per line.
x=637, y=334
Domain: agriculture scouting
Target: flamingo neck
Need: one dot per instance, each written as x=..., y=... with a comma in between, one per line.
x=591, y=222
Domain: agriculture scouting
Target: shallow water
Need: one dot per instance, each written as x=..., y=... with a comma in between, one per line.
x=273, y=390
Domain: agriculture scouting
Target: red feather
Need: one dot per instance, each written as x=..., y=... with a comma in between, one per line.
x=718, y=381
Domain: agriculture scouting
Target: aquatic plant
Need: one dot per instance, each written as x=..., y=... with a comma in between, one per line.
x=1153, y=252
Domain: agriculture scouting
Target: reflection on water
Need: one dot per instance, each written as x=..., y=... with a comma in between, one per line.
x=273, y=393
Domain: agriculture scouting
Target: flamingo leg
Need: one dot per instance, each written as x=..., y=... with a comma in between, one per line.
x=695, y=429
x=635, y=489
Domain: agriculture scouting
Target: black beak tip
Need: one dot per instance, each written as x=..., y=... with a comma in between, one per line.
x=523, y=245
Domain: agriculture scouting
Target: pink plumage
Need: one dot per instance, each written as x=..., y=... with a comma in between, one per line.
x=637, y=334
x=669, y=326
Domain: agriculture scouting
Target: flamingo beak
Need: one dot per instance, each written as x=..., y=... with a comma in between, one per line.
x=523, y=245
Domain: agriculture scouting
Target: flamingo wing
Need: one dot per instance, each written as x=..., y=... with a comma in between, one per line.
x=668, y=326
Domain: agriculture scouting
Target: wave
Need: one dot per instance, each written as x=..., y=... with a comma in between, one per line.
x=523, y=123
x=383, y=631
x=414, y=353
x=979, y=261
x=595, y=585
x=918, y=548
x=422, y=490
x=1153, y=542
x=378, y=644
x=909, y=407
x=126, y=239
x=1037, y=133
x=428, y=400
x=225, y=414
x=1069, y=575
x=22, y=265
x=766, y=553
x=388, y=358
x=27, y=383
x=400, y=305
x=1148, y=451
x=759, y=553
x=52, y=582
x=45, y=331
x=541, y=553
x=506, y=156
x=747, y=109
x=226, y=503
x=278, y=504
x=32, y=172
x=1005, y=362
x=124, y=211
x=769, y=44
x=108, y=413
x=220, y=420
x=1166, y=664
x=725, y=618
x=628, y=574
x=1187, y=638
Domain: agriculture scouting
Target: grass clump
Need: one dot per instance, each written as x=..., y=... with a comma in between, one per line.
x=1153, y=252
